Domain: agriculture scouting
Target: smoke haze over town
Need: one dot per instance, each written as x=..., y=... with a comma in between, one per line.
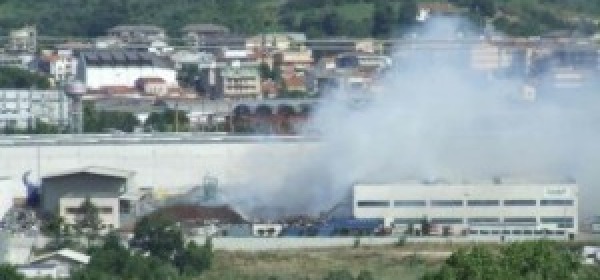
x=433, y=118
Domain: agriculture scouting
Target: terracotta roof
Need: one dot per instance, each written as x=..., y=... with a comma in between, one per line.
x=294, y=81
x=199, y=214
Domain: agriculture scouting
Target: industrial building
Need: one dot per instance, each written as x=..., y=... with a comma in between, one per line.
x=117, y=68
x=492, y=208
x=21, y=108
x=64, y=192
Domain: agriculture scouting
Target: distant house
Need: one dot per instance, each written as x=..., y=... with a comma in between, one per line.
x=152, y=85
x=61, y=65
x=20, y=108
x=277, y=41
x=239, y=81
x=54, y=265
x=110, y=68
x=197, y=34
x=23, y=40
x=293, y=60
x=137, y=33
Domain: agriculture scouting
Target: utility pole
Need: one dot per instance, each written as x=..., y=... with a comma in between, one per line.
x=176, y=116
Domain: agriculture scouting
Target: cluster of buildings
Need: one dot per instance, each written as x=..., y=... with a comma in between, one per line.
x=210, y=64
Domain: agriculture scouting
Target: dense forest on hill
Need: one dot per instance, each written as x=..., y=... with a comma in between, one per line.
x=317, y=18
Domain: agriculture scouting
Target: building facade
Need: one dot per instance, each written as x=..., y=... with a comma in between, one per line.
x=115, y=68
x=137, y=33
x=239, y=81
x=548, y=207
x=64, y=192
x=20, y=108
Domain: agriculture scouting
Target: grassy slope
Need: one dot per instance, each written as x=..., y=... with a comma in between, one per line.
x=383, y=262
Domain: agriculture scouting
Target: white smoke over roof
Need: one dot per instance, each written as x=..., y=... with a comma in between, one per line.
x=437, y=118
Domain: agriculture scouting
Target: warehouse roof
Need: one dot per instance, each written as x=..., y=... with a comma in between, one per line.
x=96, y=170
x=123, y=58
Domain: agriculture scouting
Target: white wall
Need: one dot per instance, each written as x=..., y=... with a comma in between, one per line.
x=168, y=166
x=97, y=77
x=108, y=219
x=464, y=192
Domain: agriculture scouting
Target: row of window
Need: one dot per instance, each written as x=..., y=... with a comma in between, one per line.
x=561, y=222
x=517, y=232
x=460, y=203
x=78, y=210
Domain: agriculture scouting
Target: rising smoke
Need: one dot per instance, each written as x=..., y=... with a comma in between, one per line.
x=435, y=117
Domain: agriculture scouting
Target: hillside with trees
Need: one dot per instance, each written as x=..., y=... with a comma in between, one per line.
x=318, y=18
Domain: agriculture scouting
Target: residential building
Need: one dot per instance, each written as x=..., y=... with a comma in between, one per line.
x=202, y=34
x=117, y=68
x=489, y=57
x=293, y=60
x=23, y=40
x=277, y=41
x=16, y=61
x=20, y=108
x=61, y=65
x=240, y=81
x=138, y=33
x=487, y=208
x=63, y=193
x=191, y=58
x=152, y=86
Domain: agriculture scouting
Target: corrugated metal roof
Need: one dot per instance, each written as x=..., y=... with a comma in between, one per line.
x=65, y=253
x=98, y=170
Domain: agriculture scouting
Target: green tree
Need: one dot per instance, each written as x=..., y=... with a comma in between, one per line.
x=194, y=259
x=342, y=274
x=159, y=236
x=22, y=79
x=9, y=272
x=165, y=121
x=526, y=260
x=88, y=222
x=407, y=12
x=383, y=18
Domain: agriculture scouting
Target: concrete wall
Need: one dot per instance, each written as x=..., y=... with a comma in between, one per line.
x=172, y=167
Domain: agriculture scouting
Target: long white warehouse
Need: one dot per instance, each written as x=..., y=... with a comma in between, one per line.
x=461, y=207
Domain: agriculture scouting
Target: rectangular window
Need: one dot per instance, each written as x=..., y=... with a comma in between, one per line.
x=561, y=222
x=73, y=210
x=520, y=202
x=556, y=202
x=105, y=210
x=520, y=220
x=447, y=221
x=479, y=220
x=373, y=203
x=409, y=203
x=446, y=203
x=483, y=203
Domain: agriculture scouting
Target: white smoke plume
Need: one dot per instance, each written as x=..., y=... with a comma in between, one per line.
x=434, y=117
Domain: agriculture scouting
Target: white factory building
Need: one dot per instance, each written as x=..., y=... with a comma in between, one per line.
x=478, y=208
x=20, y=108
x=100, y=69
